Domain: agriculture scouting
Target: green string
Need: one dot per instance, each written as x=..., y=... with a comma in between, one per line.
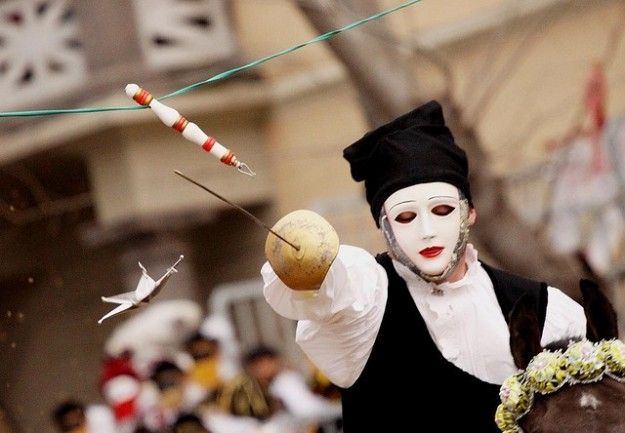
x=220, y=76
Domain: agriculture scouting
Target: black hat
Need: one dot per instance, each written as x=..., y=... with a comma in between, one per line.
x=415, y=148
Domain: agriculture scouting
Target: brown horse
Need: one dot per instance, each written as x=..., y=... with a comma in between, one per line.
x=579, y=388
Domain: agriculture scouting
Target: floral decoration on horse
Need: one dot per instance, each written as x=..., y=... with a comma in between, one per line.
x=582, y=362
x=548, y=376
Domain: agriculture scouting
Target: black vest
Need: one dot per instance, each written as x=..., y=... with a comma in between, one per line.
x=407, y=384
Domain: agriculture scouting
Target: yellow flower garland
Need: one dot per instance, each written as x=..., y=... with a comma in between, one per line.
x=582, y=362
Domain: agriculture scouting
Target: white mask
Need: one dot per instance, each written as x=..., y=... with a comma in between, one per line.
x=426, y=228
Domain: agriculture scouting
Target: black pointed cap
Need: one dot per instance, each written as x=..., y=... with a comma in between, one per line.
x=415, y=148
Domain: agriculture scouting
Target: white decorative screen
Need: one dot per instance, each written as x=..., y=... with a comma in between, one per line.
x=41, y=54
x=183, y=33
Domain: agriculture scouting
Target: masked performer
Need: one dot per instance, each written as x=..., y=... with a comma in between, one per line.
x=416, y=336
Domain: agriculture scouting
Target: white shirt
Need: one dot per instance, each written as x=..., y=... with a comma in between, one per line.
x=338, y=324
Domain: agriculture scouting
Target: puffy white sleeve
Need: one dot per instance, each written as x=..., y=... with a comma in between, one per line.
x=337, y=324
x=565, y=318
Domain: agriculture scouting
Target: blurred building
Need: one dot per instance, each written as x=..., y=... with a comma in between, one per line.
x=83, y=197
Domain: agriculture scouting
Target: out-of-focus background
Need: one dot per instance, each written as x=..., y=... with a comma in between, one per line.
x=533, y=89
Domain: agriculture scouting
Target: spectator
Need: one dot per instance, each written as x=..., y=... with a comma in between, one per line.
x=277, y=395
x=188, y=423
x=71, y=416
x=204, y=376
x=130, y=398
x=248, y=394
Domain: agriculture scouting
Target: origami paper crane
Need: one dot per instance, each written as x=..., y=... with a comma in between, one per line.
x=146, y=290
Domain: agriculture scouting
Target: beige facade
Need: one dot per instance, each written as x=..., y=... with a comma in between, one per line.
x=289, y=119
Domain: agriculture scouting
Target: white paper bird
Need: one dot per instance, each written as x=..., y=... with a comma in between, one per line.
x=146, y=290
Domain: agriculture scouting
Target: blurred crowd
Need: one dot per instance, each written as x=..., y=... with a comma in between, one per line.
x=168, y=369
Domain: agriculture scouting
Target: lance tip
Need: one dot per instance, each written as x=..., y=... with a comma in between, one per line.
x=245, y=169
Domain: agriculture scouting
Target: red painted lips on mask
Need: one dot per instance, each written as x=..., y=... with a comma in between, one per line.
x=431, y=252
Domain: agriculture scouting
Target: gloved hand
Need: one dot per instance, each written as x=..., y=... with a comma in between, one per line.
x=306, y=268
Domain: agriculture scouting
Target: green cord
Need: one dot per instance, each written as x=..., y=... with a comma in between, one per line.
x=220, y=76
x=33, y=113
